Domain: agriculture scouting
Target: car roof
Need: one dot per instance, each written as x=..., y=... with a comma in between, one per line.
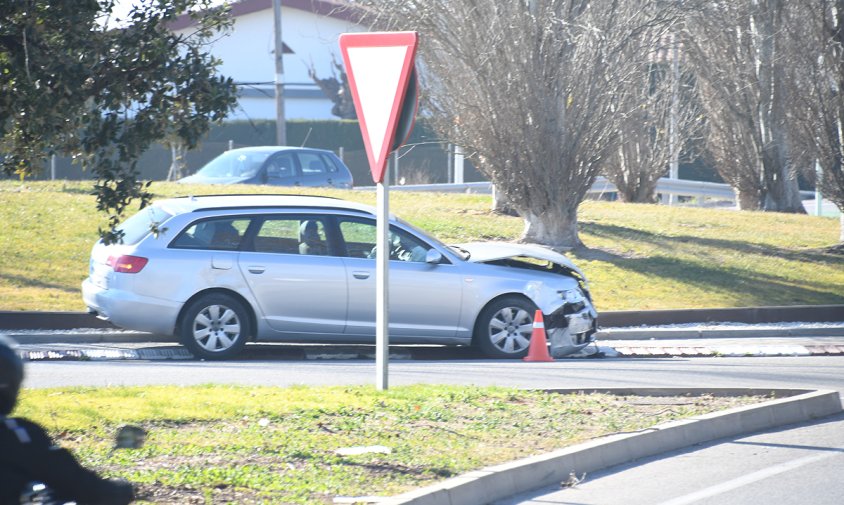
x=181, y=205
x=273, y=149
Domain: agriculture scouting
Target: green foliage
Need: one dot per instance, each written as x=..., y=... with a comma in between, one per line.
x=103, y=92
x=277, y=445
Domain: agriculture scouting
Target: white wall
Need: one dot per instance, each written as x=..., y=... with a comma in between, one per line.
x=247, y=55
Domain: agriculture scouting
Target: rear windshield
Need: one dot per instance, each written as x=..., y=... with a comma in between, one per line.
x=138, y=226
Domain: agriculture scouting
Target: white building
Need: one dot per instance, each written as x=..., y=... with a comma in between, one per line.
x=310, y=30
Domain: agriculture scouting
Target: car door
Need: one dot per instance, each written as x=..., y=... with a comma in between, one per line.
x=425, y=299
x=281, y=170
x=300, y=289
x=317, y=171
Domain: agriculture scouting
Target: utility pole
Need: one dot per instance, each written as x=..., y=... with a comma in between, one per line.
x=281, y=126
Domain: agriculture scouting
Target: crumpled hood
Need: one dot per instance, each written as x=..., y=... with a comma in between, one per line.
x=482, y=252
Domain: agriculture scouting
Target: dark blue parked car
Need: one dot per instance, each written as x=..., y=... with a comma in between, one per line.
x=275, y=165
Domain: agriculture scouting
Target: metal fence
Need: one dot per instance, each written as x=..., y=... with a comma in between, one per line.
x=683, y=191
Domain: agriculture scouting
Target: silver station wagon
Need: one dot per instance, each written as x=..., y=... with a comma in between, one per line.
x=219, y=271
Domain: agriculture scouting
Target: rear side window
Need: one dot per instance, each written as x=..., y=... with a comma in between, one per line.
x=316, y=164
x=292, y=235
x=222, y=234
x=333, y=163
x=141, y=224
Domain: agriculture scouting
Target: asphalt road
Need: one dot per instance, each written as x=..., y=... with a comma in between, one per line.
x=790, y=466
x=791, y=372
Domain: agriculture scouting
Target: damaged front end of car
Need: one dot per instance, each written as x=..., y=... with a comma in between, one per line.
x=566, y=304
x=572, y=326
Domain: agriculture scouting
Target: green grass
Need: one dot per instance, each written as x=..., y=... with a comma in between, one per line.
x=637, y=257
x=219, y=444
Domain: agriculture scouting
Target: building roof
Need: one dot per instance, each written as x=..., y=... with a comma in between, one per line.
x=243, y=7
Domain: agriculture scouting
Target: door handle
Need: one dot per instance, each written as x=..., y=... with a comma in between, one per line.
x=361, y=275
x=256, y=269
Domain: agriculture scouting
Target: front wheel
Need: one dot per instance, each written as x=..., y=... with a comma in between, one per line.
x=504, y=327
x=215, y=326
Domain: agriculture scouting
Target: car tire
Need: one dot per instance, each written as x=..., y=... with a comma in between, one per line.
x=215, y=326
x=504, y=327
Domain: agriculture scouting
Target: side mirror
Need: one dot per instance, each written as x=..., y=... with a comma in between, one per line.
x=433, y=257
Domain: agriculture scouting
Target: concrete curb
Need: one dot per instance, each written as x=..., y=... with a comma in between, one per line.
x=23, y=320
x=715, y=332
x=112, y=335
x=648, y=349
x=502, y=481
x=125, y=345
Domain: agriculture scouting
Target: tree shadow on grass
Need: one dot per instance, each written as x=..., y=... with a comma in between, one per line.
x=35, y=283
x=672, y=242
x=753, y=287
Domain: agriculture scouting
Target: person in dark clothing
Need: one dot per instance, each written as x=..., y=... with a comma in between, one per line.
x=27, y=454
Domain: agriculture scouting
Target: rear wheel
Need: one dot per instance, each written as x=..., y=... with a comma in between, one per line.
x=215, y=326
x=504, y=327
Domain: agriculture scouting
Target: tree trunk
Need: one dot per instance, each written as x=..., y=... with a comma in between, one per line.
x=500, y=204
x=784, y=194
x=643, y=191
x=177, y=161
x=747, y=199
x=841, y=235
x=556, y=228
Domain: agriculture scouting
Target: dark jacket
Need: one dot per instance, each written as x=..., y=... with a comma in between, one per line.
x=27, y=454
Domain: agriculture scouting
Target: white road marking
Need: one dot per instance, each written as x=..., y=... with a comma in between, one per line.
x=749, y=479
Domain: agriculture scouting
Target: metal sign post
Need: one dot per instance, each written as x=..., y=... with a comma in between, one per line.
x=379, y=66
x=382, y=277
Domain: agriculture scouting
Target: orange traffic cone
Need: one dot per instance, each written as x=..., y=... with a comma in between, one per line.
x=538, y=350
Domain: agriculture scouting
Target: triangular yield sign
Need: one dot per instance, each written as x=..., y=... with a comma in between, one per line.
x=378, y=65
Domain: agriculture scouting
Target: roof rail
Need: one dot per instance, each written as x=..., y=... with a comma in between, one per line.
x=256, y=194
x=249, y=207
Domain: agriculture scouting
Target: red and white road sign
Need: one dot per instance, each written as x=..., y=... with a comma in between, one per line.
x=378, y=65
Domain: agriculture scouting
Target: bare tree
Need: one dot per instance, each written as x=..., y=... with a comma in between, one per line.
x=660, y=116
x=533, y=87
x=738, y=53
x=336, y=88
x=816, y=31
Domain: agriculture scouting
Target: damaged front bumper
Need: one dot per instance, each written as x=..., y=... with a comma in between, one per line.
x=571, y=328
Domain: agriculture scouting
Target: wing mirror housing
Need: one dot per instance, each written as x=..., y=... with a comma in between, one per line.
x=433, y=257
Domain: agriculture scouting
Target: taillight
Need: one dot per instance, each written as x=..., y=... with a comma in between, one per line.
x=127, y=264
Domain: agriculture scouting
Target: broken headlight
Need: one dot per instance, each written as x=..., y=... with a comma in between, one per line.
x=571, y=296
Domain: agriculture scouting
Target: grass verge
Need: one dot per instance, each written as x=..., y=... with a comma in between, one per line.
x=228, y=444
x=637, y=257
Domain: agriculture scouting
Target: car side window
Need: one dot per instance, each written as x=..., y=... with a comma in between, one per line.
x=223, y=234
x=331, y=162
x=292, y=235
x=281, y=166
x=315, y=164
x=360, y=238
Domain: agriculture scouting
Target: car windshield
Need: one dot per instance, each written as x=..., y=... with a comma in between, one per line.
x=424, y=235
x=235, y=164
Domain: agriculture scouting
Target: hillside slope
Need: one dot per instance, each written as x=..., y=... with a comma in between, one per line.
x=637, y=257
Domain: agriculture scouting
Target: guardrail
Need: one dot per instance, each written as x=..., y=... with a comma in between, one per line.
x=665, y=186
